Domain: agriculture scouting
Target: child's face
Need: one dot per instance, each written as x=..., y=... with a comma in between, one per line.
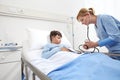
x=56, y=39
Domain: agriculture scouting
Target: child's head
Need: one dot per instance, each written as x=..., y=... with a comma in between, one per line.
x=55, y=37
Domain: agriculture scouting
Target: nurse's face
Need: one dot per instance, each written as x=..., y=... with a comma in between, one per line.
x=84, y=20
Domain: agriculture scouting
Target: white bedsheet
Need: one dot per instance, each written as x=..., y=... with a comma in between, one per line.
x=47, y=65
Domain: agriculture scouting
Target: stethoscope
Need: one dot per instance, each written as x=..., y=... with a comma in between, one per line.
x=88, y=39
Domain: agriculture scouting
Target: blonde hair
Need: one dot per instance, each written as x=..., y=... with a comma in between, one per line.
x=85, y=11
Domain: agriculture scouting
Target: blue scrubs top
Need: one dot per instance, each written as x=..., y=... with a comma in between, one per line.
x=108, y=31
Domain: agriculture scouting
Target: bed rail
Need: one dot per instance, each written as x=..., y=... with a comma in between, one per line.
x=36, y=72
x=109, y=54
x=112, y=54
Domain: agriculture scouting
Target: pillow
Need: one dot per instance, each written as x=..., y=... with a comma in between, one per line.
x=65, y=41
x=37, y=39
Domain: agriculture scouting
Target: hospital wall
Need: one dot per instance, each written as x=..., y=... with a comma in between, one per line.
x=14, y=28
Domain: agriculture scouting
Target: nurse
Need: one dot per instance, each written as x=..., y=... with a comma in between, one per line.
x=107, y=29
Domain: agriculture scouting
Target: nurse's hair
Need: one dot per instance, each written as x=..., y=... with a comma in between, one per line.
x=54, y=33
x=85, y=11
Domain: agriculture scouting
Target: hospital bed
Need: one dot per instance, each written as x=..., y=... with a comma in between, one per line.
x=31, y=53
x=44, y=68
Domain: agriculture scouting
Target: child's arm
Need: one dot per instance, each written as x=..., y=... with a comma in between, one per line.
x=48, y=51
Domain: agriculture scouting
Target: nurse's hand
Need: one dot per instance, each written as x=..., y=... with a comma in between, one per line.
x=90, y=44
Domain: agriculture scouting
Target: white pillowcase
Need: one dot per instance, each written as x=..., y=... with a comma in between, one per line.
x=65, y=41
x=37, y=39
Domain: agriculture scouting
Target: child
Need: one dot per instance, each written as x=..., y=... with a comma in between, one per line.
x=55, y=46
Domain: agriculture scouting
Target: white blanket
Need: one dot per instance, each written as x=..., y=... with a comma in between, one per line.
x=47, y=65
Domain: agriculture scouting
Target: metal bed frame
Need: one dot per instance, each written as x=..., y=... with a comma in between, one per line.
x=36, y=72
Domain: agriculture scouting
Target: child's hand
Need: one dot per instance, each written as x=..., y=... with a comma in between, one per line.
x=64, y=49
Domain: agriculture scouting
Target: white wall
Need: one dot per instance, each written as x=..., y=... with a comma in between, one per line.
x=12, y=29
x=55, y=6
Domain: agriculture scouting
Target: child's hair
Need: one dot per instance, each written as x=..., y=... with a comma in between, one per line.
x=54, y=33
